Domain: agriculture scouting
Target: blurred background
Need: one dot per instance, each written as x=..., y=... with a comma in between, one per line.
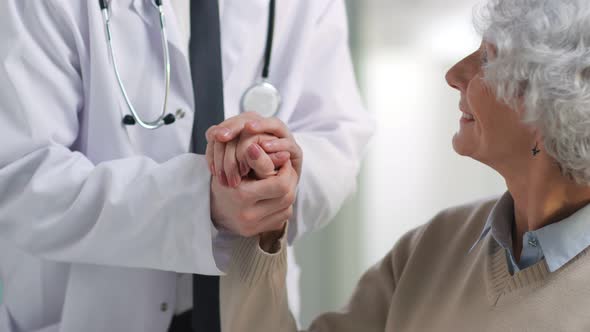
x=402, y=50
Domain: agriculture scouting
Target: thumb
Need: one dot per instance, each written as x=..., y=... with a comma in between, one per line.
x=260, y=162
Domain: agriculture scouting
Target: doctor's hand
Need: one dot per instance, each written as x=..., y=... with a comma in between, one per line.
x=255, y=206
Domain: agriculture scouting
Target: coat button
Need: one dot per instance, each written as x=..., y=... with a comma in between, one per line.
x=164, y=306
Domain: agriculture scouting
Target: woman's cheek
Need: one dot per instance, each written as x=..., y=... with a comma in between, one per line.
x=481, y=98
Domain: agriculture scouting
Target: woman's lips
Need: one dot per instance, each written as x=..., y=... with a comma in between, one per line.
x=467, y=118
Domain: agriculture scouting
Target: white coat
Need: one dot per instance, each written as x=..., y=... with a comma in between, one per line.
x=97, y=219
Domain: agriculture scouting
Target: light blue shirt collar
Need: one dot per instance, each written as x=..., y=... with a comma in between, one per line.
x=559, y=242
x=501, y=218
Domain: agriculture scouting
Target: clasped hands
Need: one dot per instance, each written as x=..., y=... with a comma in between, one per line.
x=255, y=165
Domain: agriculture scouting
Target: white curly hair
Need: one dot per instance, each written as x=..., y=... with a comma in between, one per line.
x=543, y=61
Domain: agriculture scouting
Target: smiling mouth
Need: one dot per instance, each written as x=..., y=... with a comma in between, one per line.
x=467, y=116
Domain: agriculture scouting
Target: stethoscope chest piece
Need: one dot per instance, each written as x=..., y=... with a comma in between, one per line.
x=262, y=98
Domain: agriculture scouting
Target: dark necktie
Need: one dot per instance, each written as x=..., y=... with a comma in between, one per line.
x=205, y=59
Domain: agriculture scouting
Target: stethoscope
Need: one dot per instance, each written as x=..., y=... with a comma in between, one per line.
x=262, y=97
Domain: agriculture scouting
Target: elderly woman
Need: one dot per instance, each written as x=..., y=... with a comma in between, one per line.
x=511, y=264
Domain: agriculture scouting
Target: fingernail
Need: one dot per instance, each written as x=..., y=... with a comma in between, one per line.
x=212, y=168
x=223, y=132
x=254, y=124
x=254, y=152
x=268, y=144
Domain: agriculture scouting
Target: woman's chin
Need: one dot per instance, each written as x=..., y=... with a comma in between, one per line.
x=462, y=145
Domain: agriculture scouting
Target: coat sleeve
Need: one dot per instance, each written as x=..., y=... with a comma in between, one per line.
x=54, y=202
x=330, y=124
x=254, y=298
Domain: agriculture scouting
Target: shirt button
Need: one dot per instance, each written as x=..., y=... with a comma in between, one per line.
x=164, y=306
x=180, y=113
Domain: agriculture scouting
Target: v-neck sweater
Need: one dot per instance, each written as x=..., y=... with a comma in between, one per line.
x=428, y=282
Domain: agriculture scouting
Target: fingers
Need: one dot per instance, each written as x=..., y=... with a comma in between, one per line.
x=276, y=221
x=209, y=151
x=232, y=127
x=214, y=132
x=255, y=206
x=280, y=158
x=273, y=222
x=270, y=223
x=288, y=145
x=272, y=126
x=260, y=162
x=274, y=186
x=209, y=157
x=286, y=142
x=246, y=140
x=209, y=134
x=238, y=159
x=283, y=144
x=244, y=167
x=271, y=206
x=230, y=164
x=225, y=132
x=265, y=210
x=219, y=154
x=263, y=164
x=230, y=170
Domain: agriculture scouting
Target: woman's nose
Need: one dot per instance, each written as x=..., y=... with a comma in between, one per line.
x=456, y=77
x=459, y=76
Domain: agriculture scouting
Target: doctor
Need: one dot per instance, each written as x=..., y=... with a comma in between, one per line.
x=102, y=219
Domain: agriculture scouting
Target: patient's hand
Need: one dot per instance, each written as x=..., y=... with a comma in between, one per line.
x=270, y=242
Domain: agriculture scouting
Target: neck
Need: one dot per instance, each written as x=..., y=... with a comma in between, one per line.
x=541, y=197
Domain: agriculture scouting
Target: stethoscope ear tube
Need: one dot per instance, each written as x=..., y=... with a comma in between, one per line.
x=133, y=118
x=103, y=4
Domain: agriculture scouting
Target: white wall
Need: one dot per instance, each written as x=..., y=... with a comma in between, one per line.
x=412, y=171
x=402, y=50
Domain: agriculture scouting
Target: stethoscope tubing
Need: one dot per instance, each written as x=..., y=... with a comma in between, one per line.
x=269, y=39
x=159, y=122
x=164, y=119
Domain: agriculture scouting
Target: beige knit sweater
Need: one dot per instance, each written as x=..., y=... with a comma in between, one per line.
x=428, y=282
